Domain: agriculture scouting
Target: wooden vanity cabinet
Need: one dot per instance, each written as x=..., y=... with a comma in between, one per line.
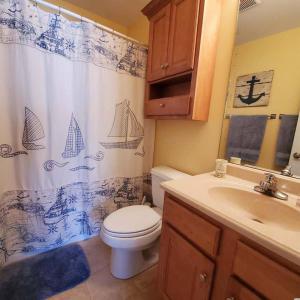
x=181, y=59
x=264, y=274
x=185, y=273
x=238, y=291
x=201, y=258
x=202, y=233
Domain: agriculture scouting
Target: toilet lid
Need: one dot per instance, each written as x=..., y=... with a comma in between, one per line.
x=131, y=219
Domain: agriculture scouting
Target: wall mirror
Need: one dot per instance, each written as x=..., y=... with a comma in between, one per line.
x=261, y=116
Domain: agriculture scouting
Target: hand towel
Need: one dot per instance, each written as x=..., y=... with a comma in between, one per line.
x=285, y=139
x=245, y=137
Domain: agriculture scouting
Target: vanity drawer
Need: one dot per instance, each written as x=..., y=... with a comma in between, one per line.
x=196, y=229
x=267, y=277
x=239, y=291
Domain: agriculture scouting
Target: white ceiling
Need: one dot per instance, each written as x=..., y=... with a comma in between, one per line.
x=124, y=12
x=269, y=17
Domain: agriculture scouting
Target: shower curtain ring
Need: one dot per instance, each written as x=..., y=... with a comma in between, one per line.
x=59, y=10
x=35, y=3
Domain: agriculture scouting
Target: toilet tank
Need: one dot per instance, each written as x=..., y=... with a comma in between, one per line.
x=160, y=174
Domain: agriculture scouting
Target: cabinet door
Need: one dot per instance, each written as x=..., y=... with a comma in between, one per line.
x=158, y=43
x=183, y=30
x=266, y=276
x=184, y=272
x=237, y=291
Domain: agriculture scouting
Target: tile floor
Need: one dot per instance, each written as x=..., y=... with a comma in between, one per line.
x=101, y=285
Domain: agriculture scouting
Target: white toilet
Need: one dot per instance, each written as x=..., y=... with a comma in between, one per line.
x=133, y=232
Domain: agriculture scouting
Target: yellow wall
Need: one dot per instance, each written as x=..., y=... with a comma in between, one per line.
x=90, y=15
x=281, y=53
x=192, y=146
x=140, y=30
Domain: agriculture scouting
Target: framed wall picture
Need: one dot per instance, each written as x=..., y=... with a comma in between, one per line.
x=253, y=89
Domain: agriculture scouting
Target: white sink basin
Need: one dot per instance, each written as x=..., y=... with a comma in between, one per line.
x=257, y=207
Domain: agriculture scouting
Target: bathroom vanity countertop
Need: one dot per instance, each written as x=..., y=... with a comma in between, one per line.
x=233, y=202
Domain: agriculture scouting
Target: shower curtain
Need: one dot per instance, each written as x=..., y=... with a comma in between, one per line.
x=73, y=142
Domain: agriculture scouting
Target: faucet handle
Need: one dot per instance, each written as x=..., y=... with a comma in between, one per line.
x=269, y=187
x=270, y=176
x=270, y=182
x=287, y=171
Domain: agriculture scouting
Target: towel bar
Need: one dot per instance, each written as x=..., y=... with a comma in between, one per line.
x=270, y=117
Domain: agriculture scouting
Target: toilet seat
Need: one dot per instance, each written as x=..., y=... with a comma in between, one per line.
x=132, y=243
x=132, y=221
x=133, y=234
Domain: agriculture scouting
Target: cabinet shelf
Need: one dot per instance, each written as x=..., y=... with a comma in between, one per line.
x=173, y=87
x=169, y=97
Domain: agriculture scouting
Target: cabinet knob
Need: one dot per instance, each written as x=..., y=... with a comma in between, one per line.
x=203, y=277
x=162, y=105
x=230, y=298
x=296, y=155
x=164, y=66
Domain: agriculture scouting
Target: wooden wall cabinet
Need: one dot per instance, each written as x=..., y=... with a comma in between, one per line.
x=182, y=51
x=203, y=259
x=159, y=36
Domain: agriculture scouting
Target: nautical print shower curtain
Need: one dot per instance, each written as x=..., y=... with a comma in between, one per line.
x=73, y=142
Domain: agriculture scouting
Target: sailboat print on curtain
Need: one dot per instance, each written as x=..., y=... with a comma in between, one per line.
x=59, y=210
x=124, y=120
x=74, y=143
x=33, y=131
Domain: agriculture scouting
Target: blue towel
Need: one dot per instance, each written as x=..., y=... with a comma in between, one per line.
x=245, y=137
x=285, y=139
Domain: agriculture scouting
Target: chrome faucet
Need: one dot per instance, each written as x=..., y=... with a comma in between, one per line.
x=269, y=187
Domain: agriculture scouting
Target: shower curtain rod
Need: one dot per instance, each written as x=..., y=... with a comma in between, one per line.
x=81, y=18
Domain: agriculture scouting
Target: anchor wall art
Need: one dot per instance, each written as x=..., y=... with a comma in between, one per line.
x=74, y=145
x=253, y=89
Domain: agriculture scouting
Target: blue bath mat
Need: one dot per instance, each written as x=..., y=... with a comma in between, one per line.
x=44, y=275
